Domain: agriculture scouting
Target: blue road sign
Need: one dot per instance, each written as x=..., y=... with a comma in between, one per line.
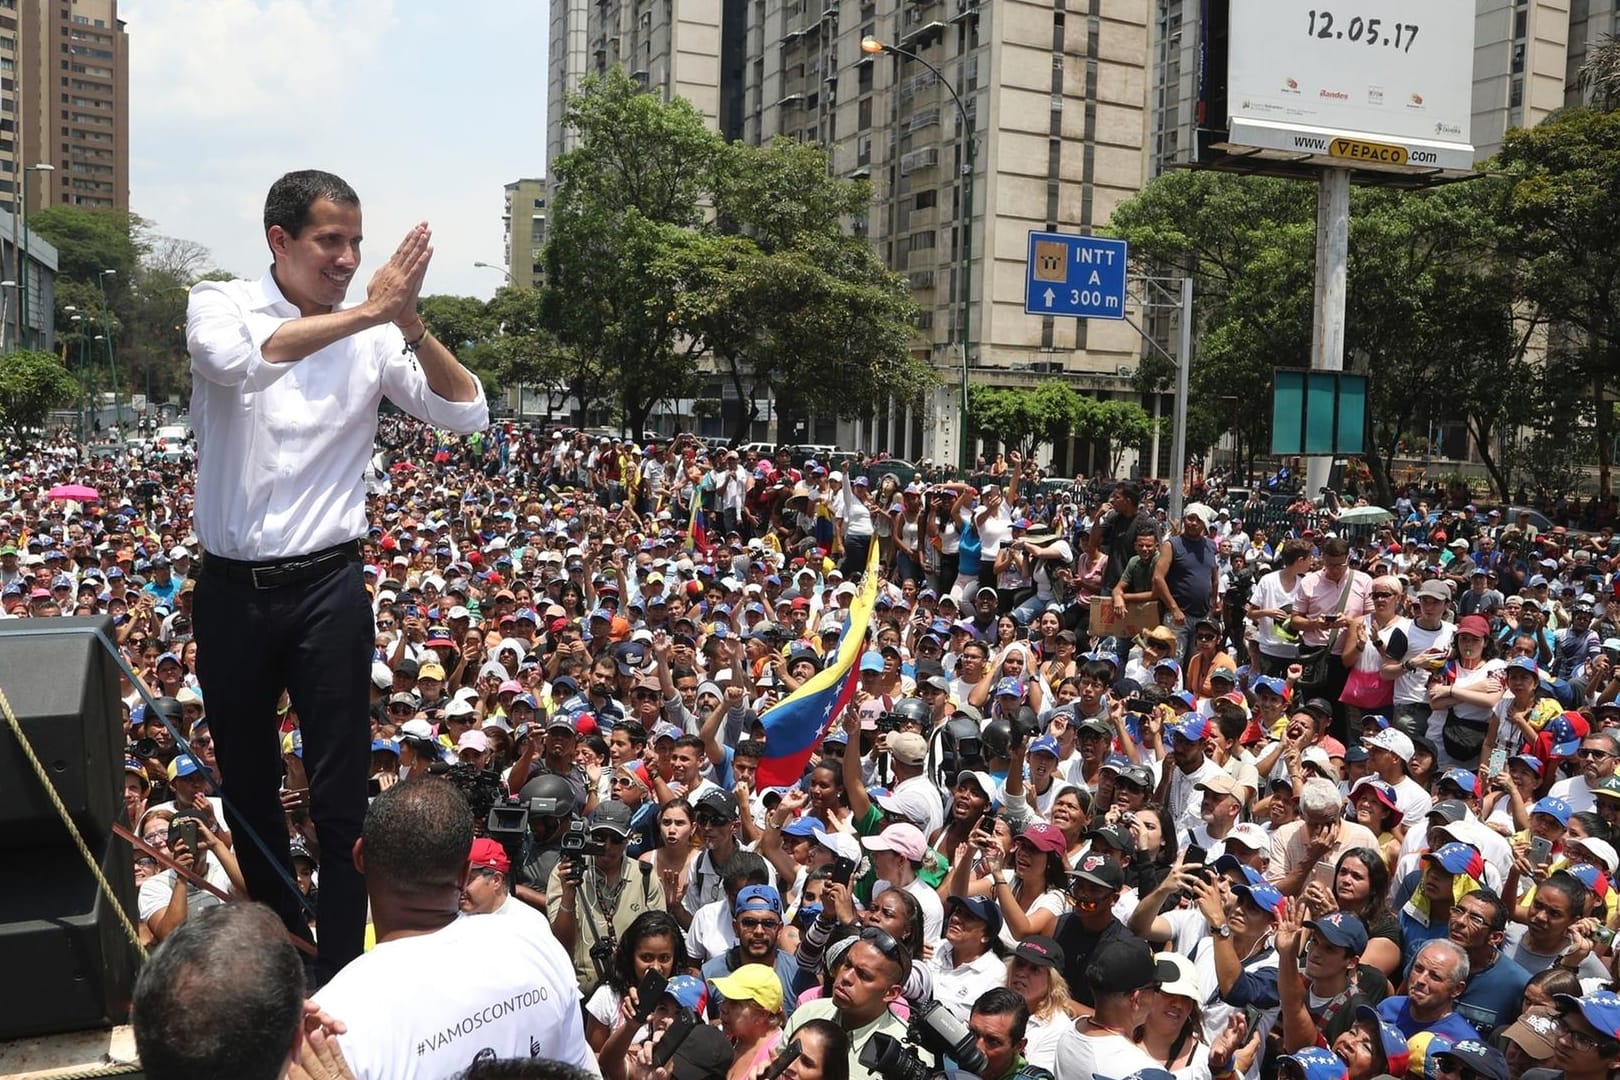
x=1081, y=276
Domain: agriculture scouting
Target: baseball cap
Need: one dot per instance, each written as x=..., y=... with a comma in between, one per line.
x=1394, y=740
x=983, y=908
x=1263, y=895
x=1486, y=1061
x=1522, y=663
x=1534, y=1034
x=1455, y=858
x=752, y=982
x=1250, y=836
x=613, y=816
x=1040, y=951
x=1114, y=836
x=1192, y=728
x=758, y=898
x=1601, y=1009
x=908, y=748
x=1177, y=976
x=806, y=826
x=1317, y=1063
x=1566, y=732
x=489, y=855
x=1341, y=930
x=182, y=766
x=1121, y=965
x=705, y=1054
x=1098, y=870
x=720, y=802
x=1553, y=807
x=1465, y=780
x=1391, y=1040
x=1044, y=837
x=902, y=838
x=1045, y=744
x=1221, y=783
x=472, y=740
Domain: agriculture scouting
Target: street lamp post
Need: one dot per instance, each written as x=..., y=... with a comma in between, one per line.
x=76, y=319
x=492, y=266
x=23, y=274
x=509, y=281
x=873, y=46
x=112, y=365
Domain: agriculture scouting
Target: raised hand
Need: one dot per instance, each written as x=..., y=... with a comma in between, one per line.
x=395, y=286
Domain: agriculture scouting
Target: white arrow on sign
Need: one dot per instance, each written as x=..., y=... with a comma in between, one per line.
x=1049, y=295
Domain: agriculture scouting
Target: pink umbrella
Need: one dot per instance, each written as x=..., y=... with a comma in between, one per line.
x=76, y=492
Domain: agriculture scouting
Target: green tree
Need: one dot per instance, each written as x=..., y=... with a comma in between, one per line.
x=627, y=195
x=31, y=385
x=1121, y=424
x=461, y=322
x=1017, y=417
x=1563, y=214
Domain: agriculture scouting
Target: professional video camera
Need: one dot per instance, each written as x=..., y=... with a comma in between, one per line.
x=482, y=787
x=934, y=1030
x=906, y=710
x=962, y=746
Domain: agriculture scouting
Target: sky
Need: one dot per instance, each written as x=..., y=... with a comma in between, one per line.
x=428, y=109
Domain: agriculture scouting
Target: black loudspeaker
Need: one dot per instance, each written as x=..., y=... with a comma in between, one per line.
x=58, y=932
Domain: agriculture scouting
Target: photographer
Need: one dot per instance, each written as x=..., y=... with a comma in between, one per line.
x=595, y=892
x=550, y=802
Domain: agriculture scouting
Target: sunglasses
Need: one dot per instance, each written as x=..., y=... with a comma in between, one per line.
x=709, y=821
x=1381, y=594
x=885, y=942
x=759, y=924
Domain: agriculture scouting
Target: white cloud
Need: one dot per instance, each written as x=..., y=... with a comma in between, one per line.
x=427, y=111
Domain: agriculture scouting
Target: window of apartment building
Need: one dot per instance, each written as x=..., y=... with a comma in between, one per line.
x=863, y=119
x=864, y=83
x=1521, y=24
x=863, y=150
x=921, y=241
x=1518, y=58
x=1515, y=93
x=924, y=200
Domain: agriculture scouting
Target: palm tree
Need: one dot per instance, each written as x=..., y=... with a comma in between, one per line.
x=1599, y=77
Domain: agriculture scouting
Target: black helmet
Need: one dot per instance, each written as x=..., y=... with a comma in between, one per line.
x=911, y=709
x=166, y=707
x=1026, y=723
x=997, y=738
x=548, y=797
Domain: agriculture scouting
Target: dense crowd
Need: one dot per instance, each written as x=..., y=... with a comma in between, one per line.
x=1114, y=795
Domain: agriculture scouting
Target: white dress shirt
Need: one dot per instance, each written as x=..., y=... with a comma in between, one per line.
x=282, y=449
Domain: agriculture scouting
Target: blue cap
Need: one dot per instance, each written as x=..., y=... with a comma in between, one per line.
x=166, y=657
x=1264, y=895
x=185, y=765
x=1045, y=744
x=804, y=826
x=1486, y=1062
x=1341, y=930
x=1192, y=728
x=871, y=662
x=1393, y=1041
x=1269, y=683
x=601, y=613
x=1464, y=779
x=1600, y=1008
x=385, y=744
x=689, y=992
x=1455, y=858
x=1566, y=740
x=983, y=908
x=1523, y=663
x=1227, y=863
x=758, y=898
x=1537, y=581
x=1554, y=808
x=1356, y=754
x=1317, y=1063
x=1168, y=664
x=1529, y=761
x=1009, y=686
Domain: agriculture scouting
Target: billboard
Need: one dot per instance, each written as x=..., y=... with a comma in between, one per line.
x=1366, y=84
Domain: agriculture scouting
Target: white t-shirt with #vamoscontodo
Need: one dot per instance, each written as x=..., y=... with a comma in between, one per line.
x=423, y=1008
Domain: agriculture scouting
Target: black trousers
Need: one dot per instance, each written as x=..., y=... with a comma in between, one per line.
x=314, y=640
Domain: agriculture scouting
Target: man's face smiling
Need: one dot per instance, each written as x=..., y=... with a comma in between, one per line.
x=315, y=267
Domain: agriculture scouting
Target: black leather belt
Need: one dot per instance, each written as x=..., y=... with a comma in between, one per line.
x=281, y=573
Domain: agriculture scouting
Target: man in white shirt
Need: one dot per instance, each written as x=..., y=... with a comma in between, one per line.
x=405, y=1019
x=1391, y=751
x=1187, y=768
x=1597, y=757
x=286, y=383
x=1122, y=974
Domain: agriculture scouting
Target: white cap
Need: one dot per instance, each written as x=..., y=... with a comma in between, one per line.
x=178, y=552
x=459, y=707
x=382, y=676
x=1250, y=836
x=1395, y=741
x=840, y=843
x=1601, y=850
x=459, y=612
x=835, y=475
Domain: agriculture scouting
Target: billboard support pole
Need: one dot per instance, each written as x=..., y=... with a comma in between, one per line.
x=1178, y=438
x=1328, y=294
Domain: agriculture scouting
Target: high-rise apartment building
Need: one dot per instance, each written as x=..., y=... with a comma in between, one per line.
x=1058, y=98
x=524, y=227
x=64, y=102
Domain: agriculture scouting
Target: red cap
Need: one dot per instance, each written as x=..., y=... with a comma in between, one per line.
x=489, y=855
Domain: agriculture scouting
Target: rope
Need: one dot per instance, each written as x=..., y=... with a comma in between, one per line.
x=67, y=819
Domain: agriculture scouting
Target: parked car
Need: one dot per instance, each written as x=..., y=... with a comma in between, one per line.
x=902, y=470
x=171, y=440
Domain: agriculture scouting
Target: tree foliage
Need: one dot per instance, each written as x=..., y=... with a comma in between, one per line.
x=643, y=279
x=1028, y=418
x=31, y=385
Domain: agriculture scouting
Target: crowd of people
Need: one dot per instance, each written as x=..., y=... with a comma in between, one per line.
x=1344, y=806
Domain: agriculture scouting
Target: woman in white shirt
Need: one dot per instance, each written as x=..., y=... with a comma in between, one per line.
x=965, y=964
x=1035, y=971
x=653, y=943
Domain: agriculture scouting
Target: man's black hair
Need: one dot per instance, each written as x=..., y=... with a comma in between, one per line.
x=1498, y=906
x=634, y=731
x=1131, y=490
x=749, y=748
x=222, y=996
x=291, y=198
x=1001, y=1001
x=417, y=836
x=745, y=868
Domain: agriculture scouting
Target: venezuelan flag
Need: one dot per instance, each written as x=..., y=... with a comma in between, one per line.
x=697, y=536
x=795, y=725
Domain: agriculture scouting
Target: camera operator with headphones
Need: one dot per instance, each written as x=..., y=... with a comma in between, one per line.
x=595, y=892
x=550, y=803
